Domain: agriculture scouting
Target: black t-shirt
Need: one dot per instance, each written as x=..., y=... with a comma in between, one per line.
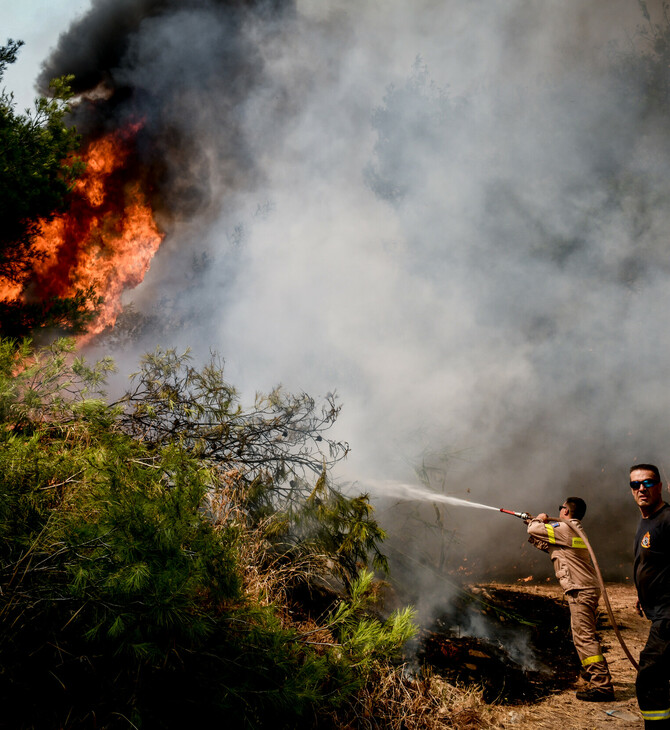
x=652, y=564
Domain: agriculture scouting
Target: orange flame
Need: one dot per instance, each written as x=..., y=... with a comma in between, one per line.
x=106, y=239
x=9, y=291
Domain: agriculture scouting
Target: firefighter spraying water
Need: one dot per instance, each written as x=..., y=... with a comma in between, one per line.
x=561, y=537
x=545, y=536
x=576, y=574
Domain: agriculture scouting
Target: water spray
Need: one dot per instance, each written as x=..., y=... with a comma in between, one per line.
x=413, y=492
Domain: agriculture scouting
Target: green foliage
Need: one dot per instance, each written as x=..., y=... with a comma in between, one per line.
x=119, y=530
x=121, y=597
x=148, y=558
x=38, y=169
x=40, y=386
x=64, y=315
x=365, y=638
x=338, y=525
x=279, y=437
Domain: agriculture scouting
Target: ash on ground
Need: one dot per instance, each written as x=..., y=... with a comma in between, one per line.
x=516, y=646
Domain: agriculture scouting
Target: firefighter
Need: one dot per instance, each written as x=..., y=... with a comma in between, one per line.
x=651, y=571
x=575, y=573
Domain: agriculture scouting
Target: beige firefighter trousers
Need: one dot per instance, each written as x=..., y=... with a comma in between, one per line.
x=583, y=603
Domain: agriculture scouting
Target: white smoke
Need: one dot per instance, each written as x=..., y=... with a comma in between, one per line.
x=457, y=221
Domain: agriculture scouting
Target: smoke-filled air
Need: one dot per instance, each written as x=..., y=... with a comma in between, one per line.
x=452, y=215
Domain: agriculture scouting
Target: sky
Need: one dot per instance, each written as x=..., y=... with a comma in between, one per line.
x=450, y=213
x=38, y=23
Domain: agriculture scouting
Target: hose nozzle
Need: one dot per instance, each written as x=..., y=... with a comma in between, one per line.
x=520, y=515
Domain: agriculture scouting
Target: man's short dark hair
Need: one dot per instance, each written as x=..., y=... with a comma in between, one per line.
x=647, y=467
x=577, y=507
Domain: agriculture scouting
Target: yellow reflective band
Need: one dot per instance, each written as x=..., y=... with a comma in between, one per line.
x=656, y=714
x=550, y=533
x=593, y=659
x=577, y=542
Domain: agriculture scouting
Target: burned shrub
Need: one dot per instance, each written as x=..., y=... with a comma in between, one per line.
x=516, y=646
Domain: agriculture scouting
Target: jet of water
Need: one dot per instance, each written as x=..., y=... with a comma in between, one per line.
x=415, y=493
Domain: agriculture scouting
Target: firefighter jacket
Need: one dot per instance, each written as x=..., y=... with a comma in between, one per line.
x=568, y=552
x=652, y=564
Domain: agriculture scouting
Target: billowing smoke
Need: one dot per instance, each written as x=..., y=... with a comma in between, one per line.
x=453, y=214
x=182, y=69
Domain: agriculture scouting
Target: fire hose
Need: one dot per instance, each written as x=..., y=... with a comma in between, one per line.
x=580, y=532
x=601, y=582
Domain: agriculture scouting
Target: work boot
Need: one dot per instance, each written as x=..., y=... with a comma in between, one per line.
x=595, y=694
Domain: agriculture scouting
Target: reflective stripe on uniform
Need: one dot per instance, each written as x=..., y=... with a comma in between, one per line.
x=577, y=542
x=656, y=714
x=550, y=534
x=593, y=659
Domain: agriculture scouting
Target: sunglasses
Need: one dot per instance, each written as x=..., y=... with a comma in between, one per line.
x=561, y=508
x=646, y=483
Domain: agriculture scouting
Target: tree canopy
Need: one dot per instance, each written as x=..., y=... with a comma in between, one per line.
x=38, y=168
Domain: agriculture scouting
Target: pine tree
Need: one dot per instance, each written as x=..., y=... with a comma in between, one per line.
x=140, y=555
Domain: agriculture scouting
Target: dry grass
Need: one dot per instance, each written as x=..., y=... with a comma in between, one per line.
x=269, y=577
x=392, y=700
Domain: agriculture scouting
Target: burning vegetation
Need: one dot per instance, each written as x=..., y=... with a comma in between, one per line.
x=139, y=162
x=172, y=542
x=78, y=224
x=103, y=243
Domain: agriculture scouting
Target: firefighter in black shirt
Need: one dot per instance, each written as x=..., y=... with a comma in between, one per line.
x=652, y=580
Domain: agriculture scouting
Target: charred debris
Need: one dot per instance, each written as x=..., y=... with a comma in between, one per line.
x=510, y=643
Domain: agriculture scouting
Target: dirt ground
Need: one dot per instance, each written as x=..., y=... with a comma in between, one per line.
x=561, y=709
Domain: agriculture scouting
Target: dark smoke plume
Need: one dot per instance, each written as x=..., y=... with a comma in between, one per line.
x=182, y=68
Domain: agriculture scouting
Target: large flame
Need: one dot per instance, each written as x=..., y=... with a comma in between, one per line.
x=105, y=240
